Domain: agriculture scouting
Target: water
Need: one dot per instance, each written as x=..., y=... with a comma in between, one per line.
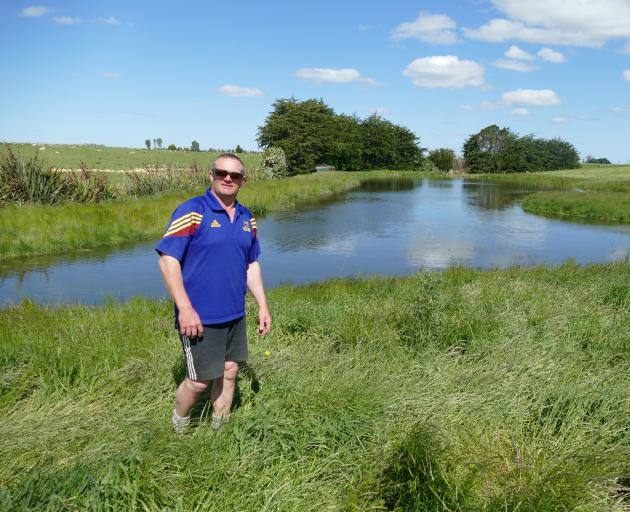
x=395, y=228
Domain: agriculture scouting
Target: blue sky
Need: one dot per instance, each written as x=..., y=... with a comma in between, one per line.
x=119, y=72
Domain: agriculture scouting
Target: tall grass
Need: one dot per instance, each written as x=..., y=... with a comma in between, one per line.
x=32, y=181
x=464, y=390
x=158, y=180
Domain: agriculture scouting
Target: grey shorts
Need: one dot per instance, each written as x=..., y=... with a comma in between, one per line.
x=205, y=357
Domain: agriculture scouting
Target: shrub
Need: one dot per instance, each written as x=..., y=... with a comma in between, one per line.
x=274, y=163
x=443, y=158
x=427, y=165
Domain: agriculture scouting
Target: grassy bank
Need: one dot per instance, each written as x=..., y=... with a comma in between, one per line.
x=562, y=192
x=604, y=206
x=463, y=391
x=45, y=229
x=71, y=156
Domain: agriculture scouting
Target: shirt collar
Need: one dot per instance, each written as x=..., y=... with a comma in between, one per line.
x=214, y=204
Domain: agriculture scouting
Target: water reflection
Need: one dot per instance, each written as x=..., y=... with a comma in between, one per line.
x=492, y=196
x=385, y=228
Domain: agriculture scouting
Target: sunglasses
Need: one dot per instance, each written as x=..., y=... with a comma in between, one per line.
x=235, y=176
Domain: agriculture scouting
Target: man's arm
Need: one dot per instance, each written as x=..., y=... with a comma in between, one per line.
x=255, y=285
x=189, y=321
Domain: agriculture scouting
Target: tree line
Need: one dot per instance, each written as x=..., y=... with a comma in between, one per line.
x=310, y=133
x=499, y=150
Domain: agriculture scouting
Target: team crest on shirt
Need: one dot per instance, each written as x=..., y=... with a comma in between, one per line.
x=246, y=226
x=215, y=224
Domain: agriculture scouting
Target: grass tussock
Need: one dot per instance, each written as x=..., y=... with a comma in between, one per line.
x=459, y=391
x=32, y=181
x=44, y=229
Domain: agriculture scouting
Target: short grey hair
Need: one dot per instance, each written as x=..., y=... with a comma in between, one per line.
x=227, y=155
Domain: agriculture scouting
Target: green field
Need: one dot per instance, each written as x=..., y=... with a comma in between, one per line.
x=71, y=156
x=466, y=390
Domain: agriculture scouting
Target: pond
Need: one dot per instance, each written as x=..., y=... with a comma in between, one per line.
x=393, y=228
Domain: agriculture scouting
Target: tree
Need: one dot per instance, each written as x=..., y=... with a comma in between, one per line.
x=311, y=133
x=147, y=143
x=483, y=150
x=194, y=146
x=303, y=129
x=496, y=149
x=159, y=142
x=443, y=158
x=172, y=147
x=238, y=149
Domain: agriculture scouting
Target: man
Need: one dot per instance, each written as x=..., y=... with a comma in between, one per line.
x=208, y=259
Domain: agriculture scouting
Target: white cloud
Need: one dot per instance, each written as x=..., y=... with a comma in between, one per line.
x=112, y=75
x=560, y=120
x=532, y=97
x=66, y=20
x=514, y=52
x=108, y=21
x=381, y=111
x=335, y=76
x=626, y=75
x=444, y=71
x=588, y=23
x=620, y=110
x=515, y=65
x=236, y=91
x=520, y=111
x=34, y=12
x=551, y=56
x=429, y=28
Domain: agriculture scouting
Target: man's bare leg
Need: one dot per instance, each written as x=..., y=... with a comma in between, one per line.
x=187, y=395
x=223, y=390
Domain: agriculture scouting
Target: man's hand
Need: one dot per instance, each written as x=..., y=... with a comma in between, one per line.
x=190, y=323
x=264, y=321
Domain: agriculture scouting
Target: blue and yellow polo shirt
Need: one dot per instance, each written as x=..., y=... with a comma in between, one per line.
x=214, y=254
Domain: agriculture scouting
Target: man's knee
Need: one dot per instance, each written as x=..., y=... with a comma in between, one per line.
x=230, y=370
x=197, y=386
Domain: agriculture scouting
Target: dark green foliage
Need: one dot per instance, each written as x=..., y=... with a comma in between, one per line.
x=387, y=145
x=147, y=143
x=194, y=146
x=443, y=158
x=591, y=160
x=172, y=147
x=499, y=150
x=238, y=149
x=311, y=133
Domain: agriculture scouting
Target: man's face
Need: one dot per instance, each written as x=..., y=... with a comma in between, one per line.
x=225, y=184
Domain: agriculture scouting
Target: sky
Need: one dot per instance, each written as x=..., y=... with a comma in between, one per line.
x=119, y=72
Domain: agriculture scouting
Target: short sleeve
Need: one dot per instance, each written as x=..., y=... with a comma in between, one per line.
x=254, y=248
x=184, y=223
